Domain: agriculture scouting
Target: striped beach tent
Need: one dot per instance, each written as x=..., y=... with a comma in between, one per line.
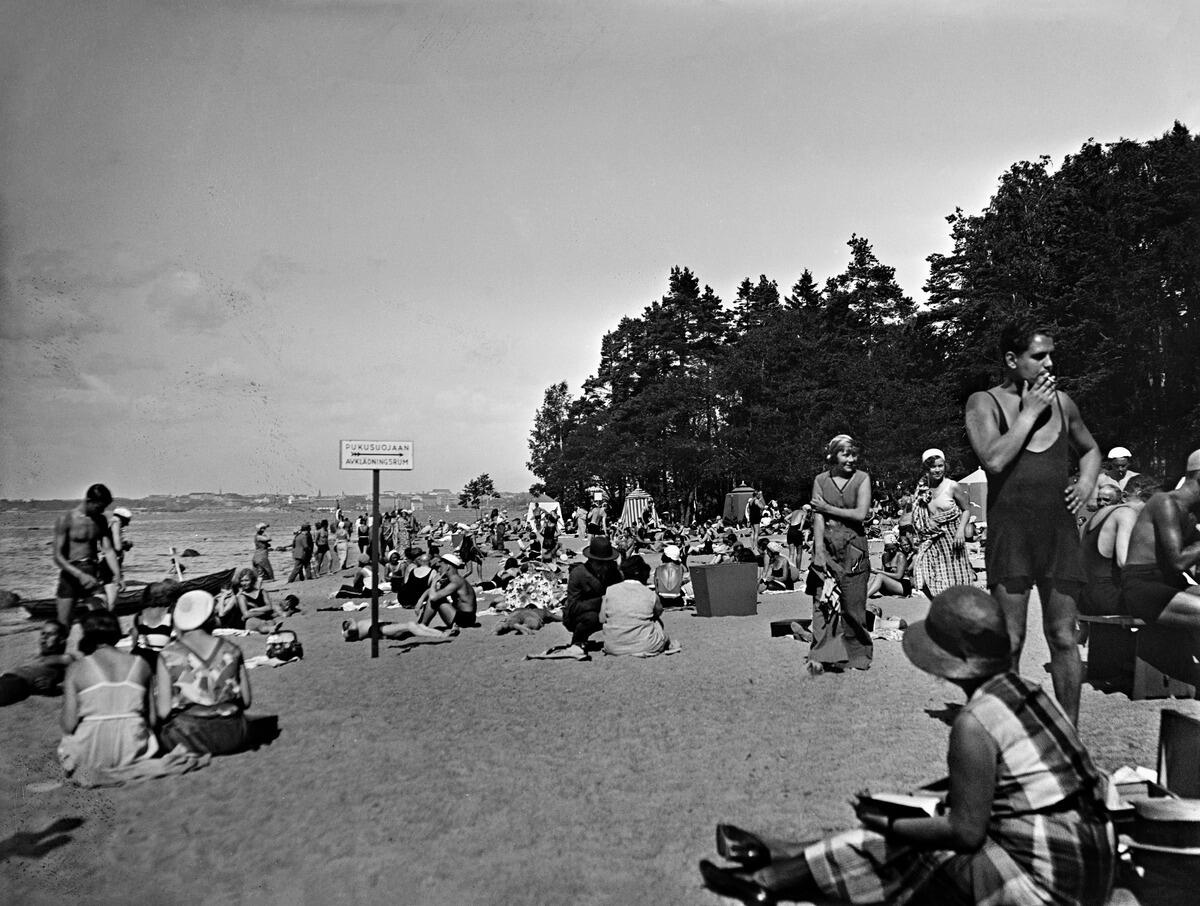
x=636, y=502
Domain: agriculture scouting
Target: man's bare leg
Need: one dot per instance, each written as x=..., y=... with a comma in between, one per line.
x=1060, y=622
x=1014, y=601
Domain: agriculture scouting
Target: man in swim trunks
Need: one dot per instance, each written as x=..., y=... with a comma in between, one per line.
x=1020, y=430
x=1164, y=547
x=597, y=520
x=81, y=539
x=451, y=597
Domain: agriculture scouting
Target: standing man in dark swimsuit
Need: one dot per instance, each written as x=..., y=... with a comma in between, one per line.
x=81, y=538
x=1019, y=431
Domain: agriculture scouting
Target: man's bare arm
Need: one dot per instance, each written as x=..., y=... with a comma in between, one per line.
x=109, y=553
x=1089, y=456
x=994, y=448
x=1169, y=518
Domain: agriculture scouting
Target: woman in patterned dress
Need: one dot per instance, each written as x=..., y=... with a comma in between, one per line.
x=1024, y=821
x=940, y=517
x=202, y=686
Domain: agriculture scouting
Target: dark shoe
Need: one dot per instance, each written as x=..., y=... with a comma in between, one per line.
x=738, y=845
x=728, y=884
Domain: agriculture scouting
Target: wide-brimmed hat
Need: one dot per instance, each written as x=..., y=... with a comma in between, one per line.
x=964, y=636
x=192, y=610
x=600, y=548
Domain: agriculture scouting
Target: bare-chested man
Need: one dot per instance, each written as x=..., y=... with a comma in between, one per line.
x=1164, y=547
x=1020, y=432
x=451, y=596
x=81, y=539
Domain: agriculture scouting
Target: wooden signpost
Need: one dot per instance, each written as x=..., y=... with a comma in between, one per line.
x=377, y=456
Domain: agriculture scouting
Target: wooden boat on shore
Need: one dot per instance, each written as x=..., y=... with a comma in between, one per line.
x=129, y=601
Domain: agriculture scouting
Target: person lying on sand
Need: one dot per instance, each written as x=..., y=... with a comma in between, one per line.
x=44, y=674
x=525, y=620
x=360, y=630
x=509, y=571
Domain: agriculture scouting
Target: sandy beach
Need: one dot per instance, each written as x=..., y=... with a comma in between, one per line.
x=462, y=773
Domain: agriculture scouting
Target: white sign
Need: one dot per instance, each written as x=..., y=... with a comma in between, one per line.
x=377, y=454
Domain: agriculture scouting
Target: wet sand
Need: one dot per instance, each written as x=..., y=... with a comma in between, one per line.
x=461, y=773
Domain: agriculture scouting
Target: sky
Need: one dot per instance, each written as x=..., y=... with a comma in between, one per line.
x=233, y=234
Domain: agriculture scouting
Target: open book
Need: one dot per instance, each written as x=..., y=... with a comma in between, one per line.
x=901, y=805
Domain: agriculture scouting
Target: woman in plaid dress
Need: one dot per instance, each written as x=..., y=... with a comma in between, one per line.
x=940, y=518
x=1024, y=822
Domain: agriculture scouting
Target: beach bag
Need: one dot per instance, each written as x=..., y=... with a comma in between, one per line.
x=284, y=646
x=828, y=644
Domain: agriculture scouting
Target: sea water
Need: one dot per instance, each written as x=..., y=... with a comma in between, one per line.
x=222, y=537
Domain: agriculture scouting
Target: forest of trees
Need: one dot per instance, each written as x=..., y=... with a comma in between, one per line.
x=695, y=395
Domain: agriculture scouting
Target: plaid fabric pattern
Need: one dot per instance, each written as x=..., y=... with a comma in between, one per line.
x=1037, y=851
x=937, y=565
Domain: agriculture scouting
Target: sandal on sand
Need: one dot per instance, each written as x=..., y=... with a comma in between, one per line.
x=560, y=652
x=800, y=633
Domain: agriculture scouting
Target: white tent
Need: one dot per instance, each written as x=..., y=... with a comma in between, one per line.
x=546, y=506
x=975, y=485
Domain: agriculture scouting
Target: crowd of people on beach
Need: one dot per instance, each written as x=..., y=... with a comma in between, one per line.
x=1024, y=819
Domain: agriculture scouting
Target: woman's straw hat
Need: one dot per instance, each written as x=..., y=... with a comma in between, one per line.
x=192, y=610
x=964, y=636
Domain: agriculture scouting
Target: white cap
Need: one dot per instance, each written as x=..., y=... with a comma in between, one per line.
x=671, y=552
x=451, y=558
x=932, y=451
x=1193, y=462
x=192, y=610
x=1119, y=453
x=123, y=513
